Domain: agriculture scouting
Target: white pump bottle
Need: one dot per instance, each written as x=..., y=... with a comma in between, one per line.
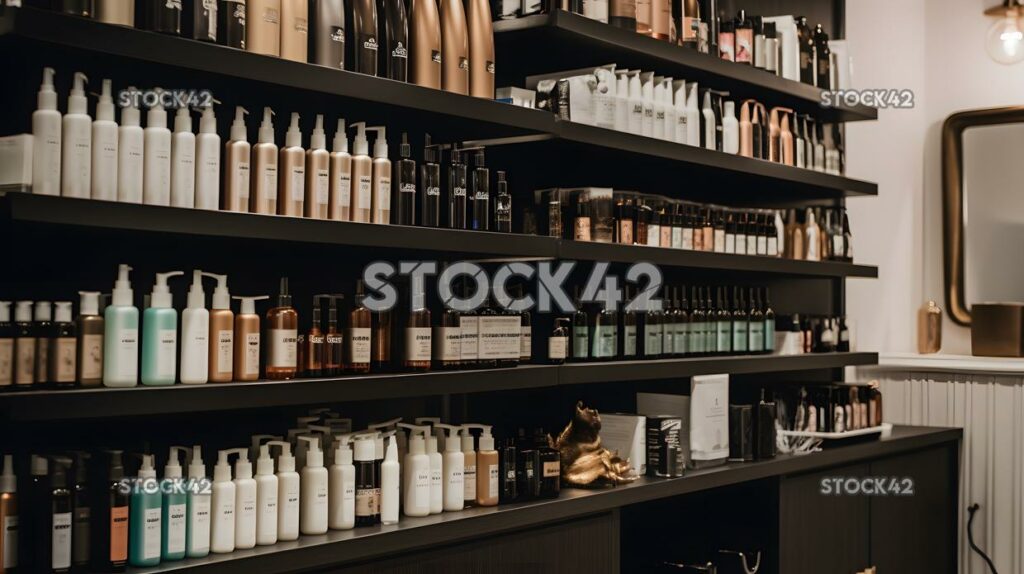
x=288, y=491
x=341, y=512
x=222, y=524
x=198, y=507
x=195, y=328
x=46, y=139
x=76, y=144
x=156, y=185
x=183, y=161
x=207, y=175
x=313, y=490
x=381, y=200
x=245, y=501
x=266, y=498
x=454, y=466
x=104, y=148
x=130, y=153
x=416, y=472
x=389, y=483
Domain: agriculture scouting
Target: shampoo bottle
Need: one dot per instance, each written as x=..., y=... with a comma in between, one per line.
x=291, y=191
x=364, y=35
x=104, y=148
x=197, y=507
x=59, y=517
x=313, y=490
x=245, y=501
x=381, y=170
x=454, y=465
x=109, y=537
x=121, y=335
x=62, y=343
x=469, y=468
x=207, y=158
x=130, y=154
x=46, y=138
x=341, y=496
x=145, y=520
x=24, y=354
x=156, y=185
x=405, y=185
x=430, y=185
x=236, y=169
x=195, y=329
x=487, y=468
x=416, y=473
x=160, y=334
x=231, y=28
x=339, y=205
x=222, y=504
x=288, y=492
x=394, y=35
x=454, y=47
x=481, y=49
x=730, y=129
x=201, y=19
x=436, y=462
x=425, y=44
x=221, y=338
x=263, y=197
x=174, y=509
x=246, y=359
x=183, y=161
x=328, y=33
x=389, y=484
x=295, y=30
x=318, y=175
x=263, y=27
x=362, y=176
x=266, y=498
x=76, y=143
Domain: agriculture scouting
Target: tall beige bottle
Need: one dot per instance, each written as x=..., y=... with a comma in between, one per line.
x=454, y=47
x=362, y=176
x=221, y=339
x=481, y=49
x=318, y=174
x=381, y=177
x=339, y=206
x=295, y=29
x=263, y=196
x=263, y=27
x=291, y=171
x=237, y=152
x=425, y=39
x=116, y=12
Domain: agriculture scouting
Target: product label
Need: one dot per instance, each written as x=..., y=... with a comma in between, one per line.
x=762, y=245
x=739, y=336
x=367, y=501
x=677, y=237
x=447, y=342
x=364, y=192
x=6, y=365
x=252, y=354
x=773, y=246
x=42, y=359
x=63, y=360
x=417, y=343
x=283, y=351
x=151, y=533
x=175, y=528
x=463, y=63
x=605, y=341
x=687, y=238
x=469, y=482
x=433, y=190
x=345, y=189
x=720, y=241
x=127, y=367
x=359, y=345
x=322, y=183
x=10, y=538
x=668, y=337
x=91, y=356
x=492, y=481
x=470, y=327
x=421, y=488
x=652, y=340
x=724, y=336
x=581, y=229
x=557, y=348
x=241, y=183
x=551, y=469
x=525, y=342
x=167, y=348
x=459, y=191
x=60, y=556
x=629, y=341
x=271, y=16
x=435, y=56
x=580, y=342
x=653, y=235
x=682, y=343
x=199, y=526
x=757, y=336
x=499, y=337
x=730, y=243
x=298, y=183
x=225, y=345
x=269, y=191
x=751, y=245
x=119, y=533
x=741, y=244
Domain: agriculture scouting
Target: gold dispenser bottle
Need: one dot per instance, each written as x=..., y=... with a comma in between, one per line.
x=291, y=170
x=246, y=359
x=481, y=49
x=318, y=173
x=454, y=47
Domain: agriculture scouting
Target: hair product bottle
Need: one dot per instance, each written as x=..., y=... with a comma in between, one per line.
x=130, y=155
x=62, y=353
x=263, y=197
x=364, y=36
x=425, y=44
x=183, y=161
x=156, y=186
x=231, y=23
x=327, y=39
x=405, y=185
x=236, y=169
x=418, y=334
x=200, y=20
x=394, y=36
x=42, y=329
x=146, y=522
x=246, y=359
x=390, y=484
x=454, y=47
x=245, y=501
x=480, y=193
x=220, y=341
x=457, y=185
x=287, y=492
x=295, y=30
x=109, y=534
x=266, y=498
x=341, y=496
x=362, y=176
x=454, y=462
x=76, y=143
x=207, y=158
x=313, y=489
x=291, y=169
x=339, y=205
x=313, y=351
x=430, y=184
x=121, y=335
x=263, y=27
x=360, y=334
x=222, y=504
x=160, y=335
x=197, y=508
x=469, y=468
x=282, y=337
x=24, y=352
x=59, y=513
x=318, y=180
x=115, y=12
x=161, y=16
x=381, y=177
x=174, y=514
x=334, y=342
x=367, y=489
x=46, y=136
x=104, y=148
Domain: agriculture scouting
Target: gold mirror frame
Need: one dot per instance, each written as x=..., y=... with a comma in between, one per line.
x=953, y=199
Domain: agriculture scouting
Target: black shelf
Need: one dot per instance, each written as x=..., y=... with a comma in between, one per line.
x=563, y=41
x=26, y=209
x=336, y=547
x=102, y=402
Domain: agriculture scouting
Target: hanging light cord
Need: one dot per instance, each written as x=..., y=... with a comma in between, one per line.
x=971, y=510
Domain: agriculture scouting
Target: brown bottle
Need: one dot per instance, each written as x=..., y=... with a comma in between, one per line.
x=63, y=347
x=417, y=335
x=221, y=363
x=380, y=350
x=89, y=363
x=246, y=358
x=425, y=40
x=360, y=334
x=481, y=49
x=334, y=343
x=282, y=337
x=313, y=354
x=454, y=47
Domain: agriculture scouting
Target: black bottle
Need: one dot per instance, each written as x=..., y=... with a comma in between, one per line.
x=363, y=47
x=60, y=518
x=457, y=205
x=486, y=315
x=764, y=431
x=723, y=325
x=756, y=330
x=580, y=331
x=822, y=59
x=480, y=193
x=698, y=323
x=334, y=342
x=512, y=331
x=805, y=38
x=43, y=330
x=508, y=490
x=77, y=7
x=327, y=33
x=525, y=333
x=34, y=518
x=668, y=325
x=80, y=519
x=231, y=18
x=367, y=483
x=711, y=332
x=404, y=209
x=430, y=184
x=503, y=206
x=160, y=16
x=843, y=338
x=548, y=466
x=628, y=330
x=527, y=473
x=740, y=323
x=652, y=339
x=682, y=323
x=7, y=333
x=604, y=337
x=200, y=18
x=394, y=37
x=769, y=325
x=558, y=343
x=110, y=516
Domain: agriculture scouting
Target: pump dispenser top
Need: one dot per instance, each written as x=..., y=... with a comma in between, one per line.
x=238, y=131
x=343, y=453
x=122, y=293
x=340, y=143
x=417, y=442
x=486, y=441
x=183, y=120
x=221, y=295
x=196, y=295
x=161, y=295
x=105, y=105
x=243, y=467
x=267, y=127
x=284, y=298
x=47, y=98
x=148, y=468
x=264, y=464
x=293, y=138
x=314, y=456
x=318, y=140
x=5, y=311
x=248, y=306
x=196, y=468
x=359, y=145
x=130, y=115
x=380, y=144
x=63, y=311
x=156, y=117
x=208, y=121
x=222, y=470
x=173, y=467
x=285, y=460
x=452, y=442
x=77, y=104
x=405, y=150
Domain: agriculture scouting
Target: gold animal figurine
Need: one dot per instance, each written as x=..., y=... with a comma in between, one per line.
x=585, y=462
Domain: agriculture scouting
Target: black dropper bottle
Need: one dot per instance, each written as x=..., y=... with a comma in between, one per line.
x=430, y=184
x=480, y=191
x=503, y=206
x=769, y=324
x=457, y=202
x=698, y=323
x=724, y=324
x=627, y=329
x=405, y=186
x=711, y=333
x=682, y=323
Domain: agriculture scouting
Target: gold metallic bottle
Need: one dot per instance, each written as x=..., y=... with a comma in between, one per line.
x=291, y=171
x=237, y=152
x=425, y=39
x=362, y=176
x=246, y=359
x=454, y=47
x=481, y=49
x=929, y=328
x=263, y=27
x=318, y=174
x=295, y=30
x=263, y=193
x=116, y=12
x=339, y=205
x=221, y=339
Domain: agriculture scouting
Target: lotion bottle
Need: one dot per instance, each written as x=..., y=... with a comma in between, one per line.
x=198, y=507
x=263, y=196
x=246, y=359
x=288, y=492
x=104, y=148
x=76, y=143
x=381, y=170
x=207, y=158
x=709, y=136
x=266, y=498
x=389, y=484
x=160, y=334
x=295, y=30
x=693, y=115
x=291, y=190
x=245, y=501
x=730, y=129
x=236, y=169
x=416, y=473
x=263, y=27
x=46, y=138
x=130, y=154
x=454, y=466
x=318, y=175
x=481, y=49
x=313, y=490
x=339, y=205
x=282, y=340
x=221, y=337
x=487, y=468
x=341, y=496
x=362, y=176
x=195, y=328
x=145, y=522
x=222, y=502
x=156, y=185
x=121, y=335
x=174, y=509
x=454, y=47
x=469, y=467
x=436, y=462
x=183, y=161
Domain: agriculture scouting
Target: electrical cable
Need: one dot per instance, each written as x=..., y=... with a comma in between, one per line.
x=971, y=510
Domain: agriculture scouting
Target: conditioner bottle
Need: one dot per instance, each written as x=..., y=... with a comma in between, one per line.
x=174, y=509
x=266, y=498
x=339, y=205
x=222, y=505
x=183, y=161
x=236, y=169
x=318, y=174
x=341, y=496
x=454, y=47
x=263, y=27
x=160, y=334
x=327, y=40
x=104, y=148
x=481, y=49
x=263, y=196
x=146, y=518
x=291, y=168
x=156, y=185
x=288, y=492
x=46, y=137
x=221, y=338
x=425, y=44
x=313, y=490
x=381, y=174
x=195, y=331
x=121, y=335
x=197, y=507
x=76, y=143
x=207, y=174
x=130, y=155
x=295, y=30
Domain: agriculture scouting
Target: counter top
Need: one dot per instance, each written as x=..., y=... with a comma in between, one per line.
x=948, y=363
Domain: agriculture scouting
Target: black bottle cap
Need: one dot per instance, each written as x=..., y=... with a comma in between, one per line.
x=81, y=467
x=405, y=150
x=284, y=298
x=429, y=150
x=769, y=30
x=59, y=466
x=478, y=158
x=115, y=465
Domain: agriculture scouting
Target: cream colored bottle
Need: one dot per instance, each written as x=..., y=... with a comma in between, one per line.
x=294, y=29
x=237, y=152
x=116, y=12
x=246, y=360
x=318, y=174
x=362, y=176
x=454, y=47
x=263, y=194
x=486, y=469
x=263, y=27
x=425, y=40
x=222, y=333
x=291, y=170
x=381, y=200
x=339, y=205
x=481, y=49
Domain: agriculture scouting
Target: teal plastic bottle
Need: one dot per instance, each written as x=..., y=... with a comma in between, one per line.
x=160, y=335
x=145, y=517
x=173, y=509
x=121, y=335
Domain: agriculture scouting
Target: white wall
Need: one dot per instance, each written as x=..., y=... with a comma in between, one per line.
x=935, y=48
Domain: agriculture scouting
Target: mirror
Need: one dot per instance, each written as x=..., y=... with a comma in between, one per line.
x=983, y=208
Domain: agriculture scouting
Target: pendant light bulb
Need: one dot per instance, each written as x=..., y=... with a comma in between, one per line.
x=1005, y=40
